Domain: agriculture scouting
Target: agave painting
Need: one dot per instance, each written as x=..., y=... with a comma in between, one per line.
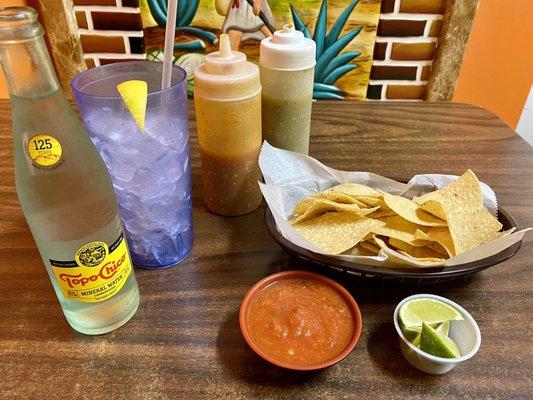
x=184, y=15
x=331, y=64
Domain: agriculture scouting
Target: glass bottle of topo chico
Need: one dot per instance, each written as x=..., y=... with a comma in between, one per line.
x=63, y=186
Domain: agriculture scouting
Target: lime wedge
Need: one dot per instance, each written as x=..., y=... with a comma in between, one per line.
x=437, y=344
x=135, y=95
x=443, y=328
x=411, y=333
x=427, y=310
x=416, y=341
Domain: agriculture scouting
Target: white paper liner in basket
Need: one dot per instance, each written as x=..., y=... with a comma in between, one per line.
x=290, y=177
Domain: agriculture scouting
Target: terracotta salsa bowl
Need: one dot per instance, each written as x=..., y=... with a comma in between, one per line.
x=341, y=291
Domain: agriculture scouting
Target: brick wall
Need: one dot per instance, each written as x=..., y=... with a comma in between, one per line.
x=110, y=30
x=405, y=48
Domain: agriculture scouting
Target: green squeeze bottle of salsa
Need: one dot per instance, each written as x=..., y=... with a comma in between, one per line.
x=287, y=66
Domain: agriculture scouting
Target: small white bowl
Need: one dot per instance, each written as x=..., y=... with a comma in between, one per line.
x=465, y=333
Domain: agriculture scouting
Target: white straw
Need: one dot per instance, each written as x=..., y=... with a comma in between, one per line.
x=170, y=32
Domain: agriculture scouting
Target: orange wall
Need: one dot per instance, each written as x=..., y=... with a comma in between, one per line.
x=5, y=3
x=498, y=69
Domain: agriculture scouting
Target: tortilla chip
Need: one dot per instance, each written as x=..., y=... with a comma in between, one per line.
x=465, y=189
x=380, y=214
x=409, y=210
x=321, y=206
x=399, y=228
x=383, y=211
x=439, y=235
x=341, y=198
x=336, y=232
x=355, y=190
x=303, y=205
x=462, y=203
x=370, y=246
x=359, y=250
x=372, y=201
x=433, y=207
x=432, y=227
x=413, y=251
x=437, y=247
x=380, y=242
x=397, y=244
x=368, y=236
x=470, y=227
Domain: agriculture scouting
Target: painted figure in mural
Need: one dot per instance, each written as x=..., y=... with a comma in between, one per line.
x=246, y=19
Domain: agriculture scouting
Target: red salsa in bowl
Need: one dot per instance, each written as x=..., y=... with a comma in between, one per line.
x=300, y=320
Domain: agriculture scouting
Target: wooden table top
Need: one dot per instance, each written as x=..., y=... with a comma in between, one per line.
x=184, y=341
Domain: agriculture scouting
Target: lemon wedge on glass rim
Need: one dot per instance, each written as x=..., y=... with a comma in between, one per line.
x=134, y=94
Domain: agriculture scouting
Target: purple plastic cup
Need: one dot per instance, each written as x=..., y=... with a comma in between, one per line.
x=150, y=169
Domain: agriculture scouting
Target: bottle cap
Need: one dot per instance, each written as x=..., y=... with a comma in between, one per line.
x=226, y=75
x=288, y=49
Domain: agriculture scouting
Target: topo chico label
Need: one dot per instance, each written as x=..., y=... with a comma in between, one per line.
x=97, y=273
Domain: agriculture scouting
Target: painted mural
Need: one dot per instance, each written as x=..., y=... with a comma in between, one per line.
x=344, y=32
